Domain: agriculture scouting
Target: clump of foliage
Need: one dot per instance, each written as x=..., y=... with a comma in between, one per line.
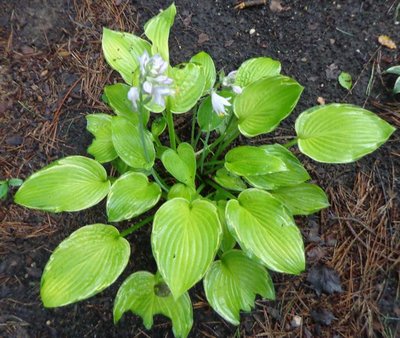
x=222, y=216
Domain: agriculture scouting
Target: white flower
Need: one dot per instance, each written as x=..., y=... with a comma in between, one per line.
x=229, y=81
x=219, y=103
x=156, y=84
x=133, y=96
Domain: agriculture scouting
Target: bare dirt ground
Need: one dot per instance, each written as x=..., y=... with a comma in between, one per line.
x=52, y=74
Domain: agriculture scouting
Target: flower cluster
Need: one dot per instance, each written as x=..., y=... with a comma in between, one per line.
x=154, y=84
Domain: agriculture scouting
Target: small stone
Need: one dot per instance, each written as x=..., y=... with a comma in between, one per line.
x=332, y=41
x=304, y=59
x=44, y=73
x=252, y=31
x=296, y=321
x=27, y=50
x=320, y=100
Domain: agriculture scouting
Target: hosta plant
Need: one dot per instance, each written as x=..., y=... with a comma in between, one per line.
x=219, y=214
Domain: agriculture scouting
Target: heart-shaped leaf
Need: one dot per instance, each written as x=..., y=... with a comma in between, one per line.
x=157, y=30
x=185, y=238
x=256, y=69
x=138, y=294
x=131, y=195
x=189, y=84
x=340, y=133
x=84, y=264
x=207, y=67
x=184, y=191
x=250, y=160
x=265, y=229
x=71, y=184
x=181, y=163
x=122, y=51
x=302, y=199
x=265, y=103
x=293, y=175
x=232, y=283
x=128, y=144
x=102, y=147
x=229, y=181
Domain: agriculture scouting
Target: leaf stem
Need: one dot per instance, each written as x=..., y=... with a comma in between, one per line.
x=205, y=152
x=136, y=226
x=217, y=187
x=192, y=132
x=159, y=180
x=209, y=163
x=291, y=143
x=171, y=129
x=141, y=126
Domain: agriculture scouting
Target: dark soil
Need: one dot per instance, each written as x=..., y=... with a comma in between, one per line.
x=52, y=74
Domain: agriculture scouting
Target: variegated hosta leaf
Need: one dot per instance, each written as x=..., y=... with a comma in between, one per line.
x=71, y=184
x=207, y=67
x=157, y=30
x=185, y=238
x=189, y=84
x=265, y=103
x=255, y=69
x=84, y=264
x=302, y=199
x=264, y=228
x=293, y=175
x=102, y=147
x=128, y=144
x=131, y=195
x=250, y=160
x=122, y=51
x=181, y=163
x=228, y=180
x=232, y=283
x=138, y=294
x=340, y=133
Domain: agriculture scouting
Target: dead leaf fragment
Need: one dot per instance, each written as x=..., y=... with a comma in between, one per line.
x=324, y=279
x=320, y=100
x=322, y=316
x=386, y=41
x=203, y=38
